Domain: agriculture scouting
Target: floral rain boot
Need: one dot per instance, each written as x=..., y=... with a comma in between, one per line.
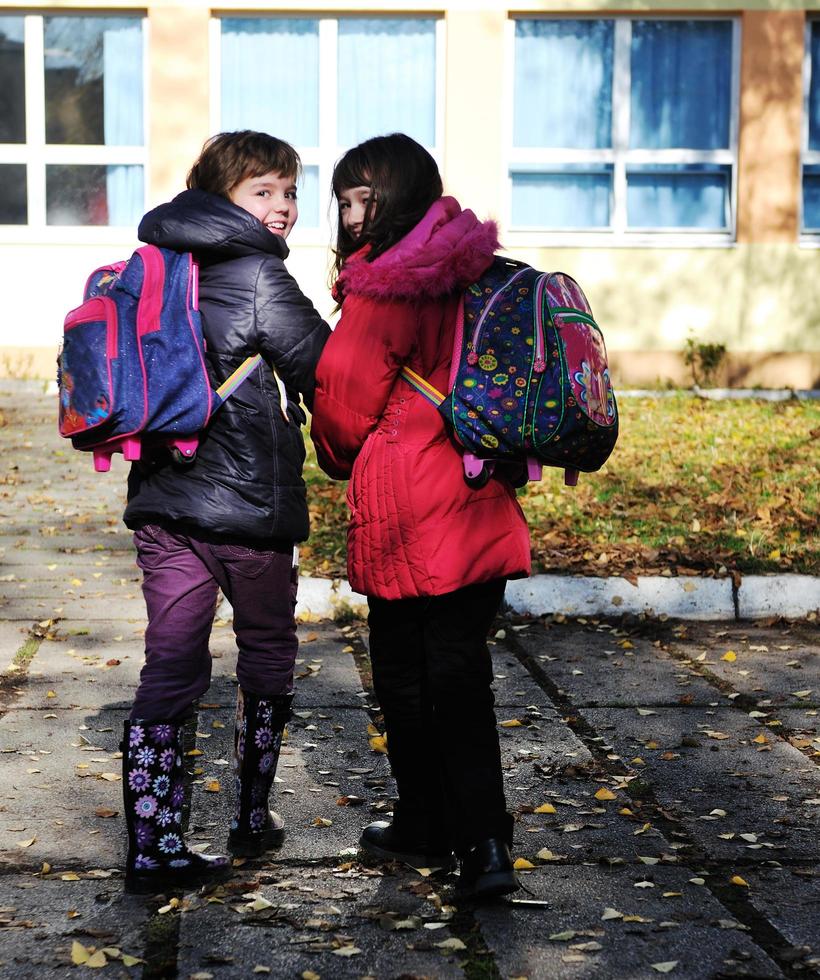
x=153, y=788
x=260, y=724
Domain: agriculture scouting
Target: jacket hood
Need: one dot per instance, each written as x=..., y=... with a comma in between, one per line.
x=446, y=251
x=196, y=221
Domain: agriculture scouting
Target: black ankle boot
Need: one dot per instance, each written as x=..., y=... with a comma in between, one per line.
x=260, y=724
x=486, y=871
x=153, y=794
x=383, y=840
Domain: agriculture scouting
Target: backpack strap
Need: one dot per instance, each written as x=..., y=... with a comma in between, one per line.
x=422, y=386
x=231, y=383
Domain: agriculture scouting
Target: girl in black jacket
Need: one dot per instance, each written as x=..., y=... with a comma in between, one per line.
x=231, y=518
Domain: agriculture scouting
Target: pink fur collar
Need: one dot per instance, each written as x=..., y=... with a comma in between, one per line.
x=446, y=251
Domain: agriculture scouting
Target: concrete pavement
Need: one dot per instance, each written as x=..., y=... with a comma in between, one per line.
x=663, y=774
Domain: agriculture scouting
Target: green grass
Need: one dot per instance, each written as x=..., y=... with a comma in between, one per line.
x=693, y=486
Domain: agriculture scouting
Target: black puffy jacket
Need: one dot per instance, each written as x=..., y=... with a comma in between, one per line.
x=246, y=482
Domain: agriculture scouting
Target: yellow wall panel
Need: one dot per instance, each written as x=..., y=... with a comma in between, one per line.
x=771, y=111
x=178, y=84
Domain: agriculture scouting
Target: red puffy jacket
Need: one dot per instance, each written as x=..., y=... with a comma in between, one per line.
x=416, y=528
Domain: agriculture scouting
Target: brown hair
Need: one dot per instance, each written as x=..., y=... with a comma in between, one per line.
x=229, y=158
x=404, y=182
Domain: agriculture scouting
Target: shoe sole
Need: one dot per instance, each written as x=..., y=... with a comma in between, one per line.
x=414, y=860
x=488, y=886
x=268, y=841
x=148, y=884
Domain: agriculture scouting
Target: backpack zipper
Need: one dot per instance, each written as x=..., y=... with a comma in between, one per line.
x=472, y=357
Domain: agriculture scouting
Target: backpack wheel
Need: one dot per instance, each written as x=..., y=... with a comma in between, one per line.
x=181, y=457
x=480, y=480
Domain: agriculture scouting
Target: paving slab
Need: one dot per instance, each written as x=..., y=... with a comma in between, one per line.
x=790, y=899
x=42, y=917
x=706, y=769
x=343, y=924
x=593, y=668
x=673, y=920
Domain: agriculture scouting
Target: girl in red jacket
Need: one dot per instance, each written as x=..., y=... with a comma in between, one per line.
x=431, y=554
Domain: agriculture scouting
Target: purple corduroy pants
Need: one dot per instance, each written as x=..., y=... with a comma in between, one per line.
x=181, y=581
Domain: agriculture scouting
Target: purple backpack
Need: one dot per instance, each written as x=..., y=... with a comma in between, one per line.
x=529, y=381
x=132, y=365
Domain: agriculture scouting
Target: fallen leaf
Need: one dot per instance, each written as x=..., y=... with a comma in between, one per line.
x=545, y=808
x=730, y=656
x=605, y=794
x=666, y=967
x=212, y=786
x=104, y=811
x=322, y=822
x=26, y=843
x=737, y=880
x=511, y=723
x=347, y=951
x=69, y=876
x=522, y=863
x=610, y=913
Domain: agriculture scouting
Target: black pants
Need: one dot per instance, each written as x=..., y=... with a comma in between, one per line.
x=432, y=674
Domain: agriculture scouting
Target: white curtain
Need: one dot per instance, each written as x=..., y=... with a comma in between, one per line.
x=387, y=78
x=123, y=115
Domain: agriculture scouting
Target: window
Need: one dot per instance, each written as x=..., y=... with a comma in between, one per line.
x=325, y=84
x=71, y=120
x=811, y=132
x=624, y=126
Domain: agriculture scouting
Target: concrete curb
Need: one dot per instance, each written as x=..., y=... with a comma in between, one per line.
x=757, y=596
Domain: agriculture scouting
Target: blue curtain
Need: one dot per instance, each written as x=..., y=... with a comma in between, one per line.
x=563, y=83
x=811, y=198
x=123, y=115
x=309, y=198
x=566, y=199
x=681, y=84
x=270, y=77
x=814, y=88
x=387, y=78
x=678, y=197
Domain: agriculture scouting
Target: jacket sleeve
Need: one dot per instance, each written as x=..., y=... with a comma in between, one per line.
x=356, y=374
x=290, y=332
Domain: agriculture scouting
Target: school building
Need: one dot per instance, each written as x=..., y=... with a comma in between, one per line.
x=666, y=153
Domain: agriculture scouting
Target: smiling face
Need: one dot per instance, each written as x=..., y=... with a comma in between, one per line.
x=353, y=204
x=271, y=198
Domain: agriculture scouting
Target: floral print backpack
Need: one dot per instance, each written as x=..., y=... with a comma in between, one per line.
x=529, y=381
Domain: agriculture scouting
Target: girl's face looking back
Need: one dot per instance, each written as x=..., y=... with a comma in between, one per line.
x=271, y=198
x=353, y=209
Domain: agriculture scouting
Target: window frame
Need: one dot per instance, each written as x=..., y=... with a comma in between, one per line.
x=619, y=156
x=325, y=154
x=36, y=154
x=808, y=158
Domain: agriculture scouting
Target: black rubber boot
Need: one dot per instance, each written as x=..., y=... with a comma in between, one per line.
x=153, y=790
x=260, y=724
x=383, y=840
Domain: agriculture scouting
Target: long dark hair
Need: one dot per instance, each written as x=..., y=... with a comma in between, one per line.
x=404, y=182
